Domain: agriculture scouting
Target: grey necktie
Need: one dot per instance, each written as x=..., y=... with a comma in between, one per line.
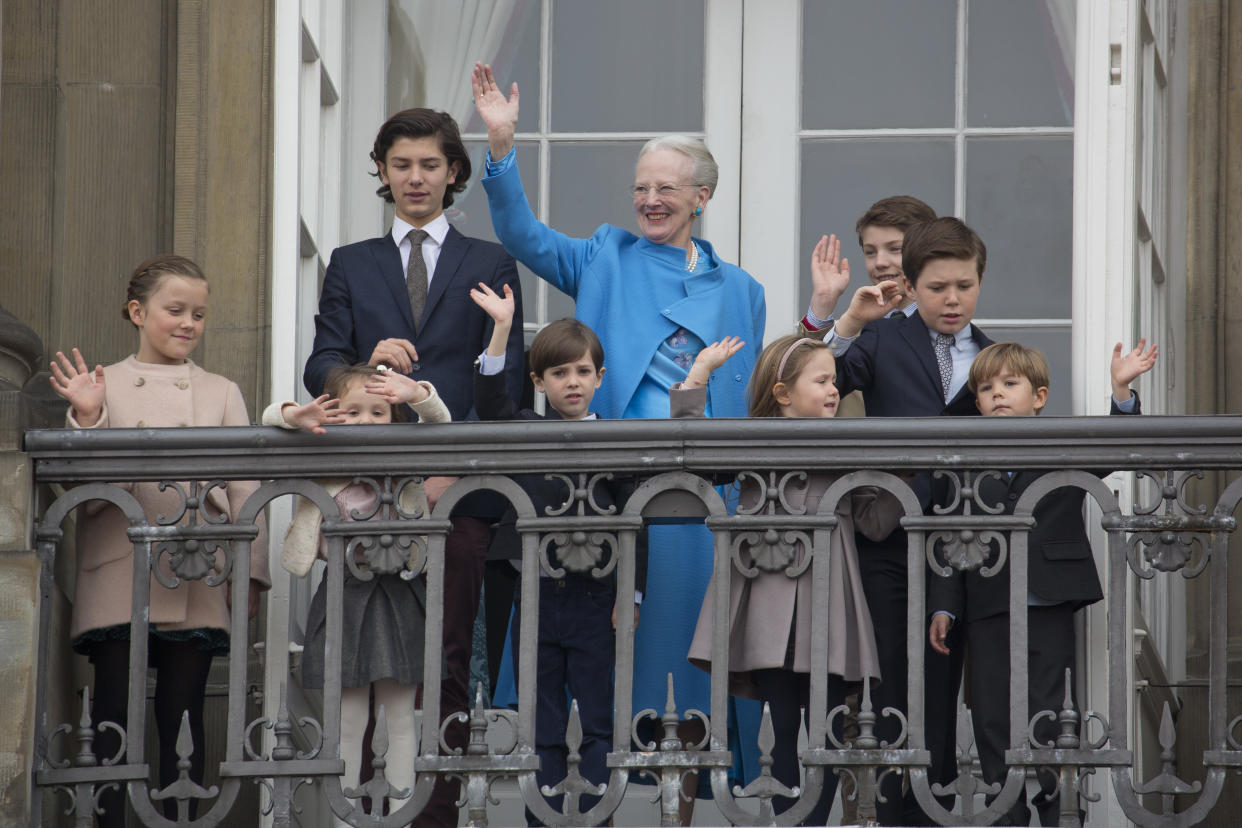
x=945, y=360
x=416, y=275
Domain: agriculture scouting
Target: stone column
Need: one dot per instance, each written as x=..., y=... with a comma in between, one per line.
x=1214, y=334
x=20, y=355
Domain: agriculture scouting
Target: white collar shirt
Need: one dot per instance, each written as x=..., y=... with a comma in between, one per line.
x=437, y=229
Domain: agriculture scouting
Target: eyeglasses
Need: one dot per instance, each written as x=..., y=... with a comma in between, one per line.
x=641, y=191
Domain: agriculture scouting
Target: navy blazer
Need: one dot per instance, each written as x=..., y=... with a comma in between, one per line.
x=493, y=404
x=894, y=365
x=1060, y=565
x=364, y=300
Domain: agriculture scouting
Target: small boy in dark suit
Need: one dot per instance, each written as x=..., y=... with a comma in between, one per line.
x=913, y=366
x=577, y=612
x=1011, y=380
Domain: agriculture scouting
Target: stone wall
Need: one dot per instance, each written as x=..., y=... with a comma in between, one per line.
x=127, y=128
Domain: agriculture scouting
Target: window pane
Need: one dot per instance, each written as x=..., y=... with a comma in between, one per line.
x=1020, y=198
x=1054, y=343
x=635, y=66
x=1020, y=68
x=469, y=213
x=589, y=187
x=433, y=46
x=878, y=64
x=841, y=179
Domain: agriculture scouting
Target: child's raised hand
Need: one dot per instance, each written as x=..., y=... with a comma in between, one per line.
x=83, y=388
x=316, y=414
x=396, y=388
x=870, y=302
x=711, y=358
x=1125, y=368
x=830, y=276
x=499, y=308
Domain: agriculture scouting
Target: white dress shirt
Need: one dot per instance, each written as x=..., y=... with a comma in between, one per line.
x=436, y=229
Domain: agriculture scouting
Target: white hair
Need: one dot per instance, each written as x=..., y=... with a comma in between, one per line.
x=706, y=172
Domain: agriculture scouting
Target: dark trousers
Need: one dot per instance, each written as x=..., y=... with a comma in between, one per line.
x=1050, y=647
x=180, y=687
x=499, y=580
x=465, y=551
x=883, y=570
x=577, y=648
x=787, y=693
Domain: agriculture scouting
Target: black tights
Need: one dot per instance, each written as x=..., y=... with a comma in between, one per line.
x=180, y=685
x=786, y=693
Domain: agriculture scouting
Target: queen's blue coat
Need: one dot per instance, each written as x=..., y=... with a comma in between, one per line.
x=621, y=283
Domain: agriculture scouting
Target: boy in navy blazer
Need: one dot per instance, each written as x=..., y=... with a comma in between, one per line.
x=1008, y=379
x=403, y=300
x=913, y=366
x=577, y=612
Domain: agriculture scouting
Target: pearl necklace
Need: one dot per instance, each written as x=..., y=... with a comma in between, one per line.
x=693, y=262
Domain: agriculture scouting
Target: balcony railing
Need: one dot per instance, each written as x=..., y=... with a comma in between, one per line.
x=678, y=464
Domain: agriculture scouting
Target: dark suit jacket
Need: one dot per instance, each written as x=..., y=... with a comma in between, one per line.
x=892, y=362
x=894, y=366
x=364, y=300
x=494, y=404
x=1060, y=566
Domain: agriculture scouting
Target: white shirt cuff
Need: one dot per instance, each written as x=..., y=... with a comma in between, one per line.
x=489, y=366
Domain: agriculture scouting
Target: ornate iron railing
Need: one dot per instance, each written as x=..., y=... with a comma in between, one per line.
x=678, y=464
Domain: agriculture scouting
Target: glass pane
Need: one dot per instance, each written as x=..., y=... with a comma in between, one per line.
x=589, y=187
x=1054, y=343
x=878, y=64
x=635, y=66
x=432, y=46
x=1020, y=199
x=469, y=213
x=841, y=179
x=1020, y=67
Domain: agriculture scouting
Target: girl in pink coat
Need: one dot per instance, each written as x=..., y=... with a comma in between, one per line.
x=158, y=387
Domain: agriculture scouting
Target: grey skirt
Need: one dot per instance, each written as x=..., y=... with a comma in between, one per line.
x=382, y=625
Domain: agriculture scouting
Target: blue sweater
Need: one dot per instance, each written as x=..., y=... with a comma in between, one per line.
x=627, y=289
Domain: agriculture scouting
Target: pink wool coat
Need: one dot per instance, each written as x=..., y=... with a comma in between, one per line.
x=766, y=610
x=144, y=395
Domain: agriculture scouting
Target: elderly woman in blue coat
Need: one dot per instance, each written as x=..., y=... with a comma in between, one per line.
x=655, y=300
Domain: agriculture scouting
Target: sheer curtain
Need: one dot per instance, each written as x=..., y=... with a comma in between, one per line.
x=434, y=44
x=1061, y=19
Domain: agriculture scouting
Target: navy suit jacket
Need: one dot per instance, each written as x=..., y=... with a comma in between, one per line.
x=364, y=300
x=892, y=362
x=1060, y=566
x=894, y=365
x=548, y=493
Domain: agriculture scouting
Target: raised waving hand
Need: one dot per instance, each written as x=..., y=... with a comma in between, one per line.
x=82, y=387
x=830, y=276
x=499, y=114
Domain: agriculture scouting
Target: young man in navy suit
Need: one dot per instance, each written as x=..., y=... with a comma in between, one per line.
x=914, y=366
x=1011, y=380
x=403, y=300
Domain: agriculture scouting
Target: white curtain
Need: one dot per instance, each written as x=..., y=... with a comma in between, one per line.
x=433, y=45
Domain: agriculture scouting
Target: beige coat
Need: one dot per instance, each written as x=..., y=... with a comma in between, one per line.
x=302, y=541
x=766, y=610
x=144, y=395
